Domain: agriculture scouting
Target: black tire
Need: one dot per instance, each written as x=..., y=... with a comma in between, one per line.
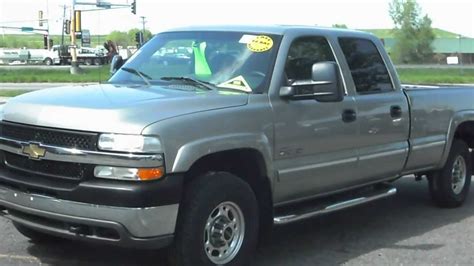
x=443, y=190
x=48, y=61
x=201, y=198
x=33, y=235
x=97, y=62
x=88, y=62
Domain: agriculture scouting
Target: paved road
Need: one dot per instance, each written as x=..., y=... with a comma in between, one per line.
x=406, y=229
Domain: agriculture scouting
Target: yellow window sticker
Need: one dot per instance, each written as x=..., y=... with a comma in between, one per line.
x=261, y=43
x=237, y=83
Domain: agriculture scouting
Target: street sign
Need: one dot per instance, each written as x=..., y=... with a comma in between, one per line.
x=27, y=29
x=86, y=38
x=103, y=4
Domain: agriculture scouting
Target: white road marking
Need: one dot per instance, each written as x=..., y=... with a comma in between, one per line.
x=19, y=257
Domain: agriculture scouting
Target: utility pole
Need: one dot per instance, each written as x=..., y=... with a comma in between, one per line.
x=48, y=45
x=64, y=21
x=74, y=64
x=143, y=24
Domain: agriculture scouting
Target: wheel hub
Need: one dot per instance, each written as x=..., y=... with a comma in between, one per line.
x=224, y=233
x=221, y=232
x=458, y=174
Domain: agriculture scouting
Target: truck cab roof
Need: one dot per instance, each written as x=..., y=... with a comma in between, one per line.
x=275, y=29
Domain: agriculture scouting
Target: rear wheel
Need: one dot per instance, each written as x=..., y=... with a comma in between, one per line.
x=450, y=185
x=88, y=62
x=218, y=222
x=33, y=235
x=97, y=62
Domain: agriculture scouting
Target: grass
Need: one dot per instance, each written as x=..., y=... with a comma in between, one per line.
x=436, y=76
x=12, y=93
x=53, y=75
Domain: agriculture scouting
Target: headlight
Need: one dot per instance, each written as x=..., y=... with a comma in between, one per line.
x=129, y=143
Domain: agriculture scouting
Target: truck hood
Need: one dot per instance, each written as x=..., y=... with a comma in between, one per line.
x=113, y=108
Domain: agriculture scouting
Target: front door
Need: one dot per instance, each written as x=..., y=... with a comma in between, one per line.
x=315, y=142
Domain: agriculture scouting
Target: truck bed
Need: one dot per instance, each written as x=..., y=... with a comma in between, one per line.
x=434, y=112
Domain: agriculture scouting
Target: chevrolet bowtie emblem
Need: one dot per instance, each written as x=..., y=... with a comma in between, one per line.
x=34, y=151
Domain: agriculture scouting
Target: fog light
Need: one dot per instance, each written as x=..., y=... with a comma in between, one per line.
x=134, y=174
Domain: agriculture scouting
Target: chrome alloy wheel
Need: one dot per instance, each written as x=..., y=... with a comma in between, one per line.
x=458, y=174
x=224, y=233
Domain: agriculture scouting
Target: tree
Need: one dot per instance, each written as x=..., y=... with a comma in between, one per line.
x=131, y=35
x=413, y=32
x=341, y=26
x=125, y=39
x=120, y=38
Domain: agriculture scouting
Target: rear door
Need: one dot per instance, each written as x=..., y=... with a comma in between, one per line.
x=382, y=111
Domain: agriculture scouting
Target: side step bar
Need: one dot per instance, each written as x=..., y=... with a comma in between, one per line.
x=335, y=206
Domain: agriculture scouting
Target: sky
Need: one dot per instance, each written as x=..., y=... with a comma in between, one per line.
x=452, y=15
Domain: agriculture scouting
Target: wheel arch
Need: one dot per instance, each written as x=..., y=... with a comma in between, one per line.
x=247, y=164
x=460, y=127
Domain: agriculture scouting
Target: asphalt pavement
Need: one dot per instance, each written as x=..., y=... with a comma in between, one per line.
x=404, y=230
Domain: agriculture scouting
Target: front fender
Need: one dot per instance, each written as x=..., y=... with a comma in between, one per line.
x=189, y=153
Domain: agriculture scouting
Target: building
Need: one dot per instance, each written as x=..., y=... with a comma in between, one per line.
x=446, y=44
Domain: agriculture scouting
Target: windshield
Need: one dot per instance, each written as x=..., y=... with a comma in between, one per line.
x=224, y=60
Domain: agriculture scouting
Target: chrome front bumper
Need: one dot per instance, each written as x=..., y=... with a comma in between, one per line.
x=150, y=227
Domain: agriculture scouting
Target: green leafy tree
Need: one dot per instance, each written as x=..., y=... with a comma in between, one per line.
x=413, y=32
x=341, y=26
x=131, y=35
x=120, y=38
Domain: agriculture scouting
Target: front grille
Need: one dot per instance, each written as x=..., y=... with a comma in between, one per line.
x=47, y=136
x=74, y=171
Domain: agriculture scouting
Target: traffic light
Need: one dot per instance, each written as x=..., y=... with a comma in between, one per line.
x=138, y=36
x=77, y=21
x=67, y=27
x=45, y=41
x=133, y=6
x=139, y=39
x=40, y=18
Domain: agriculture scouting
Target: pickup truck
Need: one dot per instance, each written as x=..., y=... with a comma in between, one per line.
x=259, y=126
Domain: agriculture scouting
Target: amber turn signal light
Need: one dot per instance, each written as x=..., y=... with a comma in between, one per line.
x=150, y=173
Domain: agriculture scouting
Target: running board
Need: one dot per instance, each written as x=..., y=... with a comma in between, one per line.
x=332, y=206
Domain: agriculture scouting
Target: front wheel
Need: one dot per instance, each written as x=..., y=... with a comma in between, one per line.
x=450, y=185
x=218, y=222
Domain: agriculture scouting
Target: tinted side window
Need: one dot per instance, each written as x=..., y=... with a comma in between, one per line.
x=367, y=67
x=303, y=53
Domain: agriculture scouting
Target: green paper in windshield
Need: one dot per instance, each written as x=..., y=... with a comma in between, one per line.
x=201, y=67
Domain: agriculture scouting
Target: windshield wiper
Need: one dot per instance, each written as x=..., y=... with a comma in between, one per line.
x=142, y=75
x=201, y=83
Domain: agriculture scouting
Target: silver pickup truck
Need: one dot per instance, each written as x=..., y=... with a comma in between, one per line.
x=205, y=149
